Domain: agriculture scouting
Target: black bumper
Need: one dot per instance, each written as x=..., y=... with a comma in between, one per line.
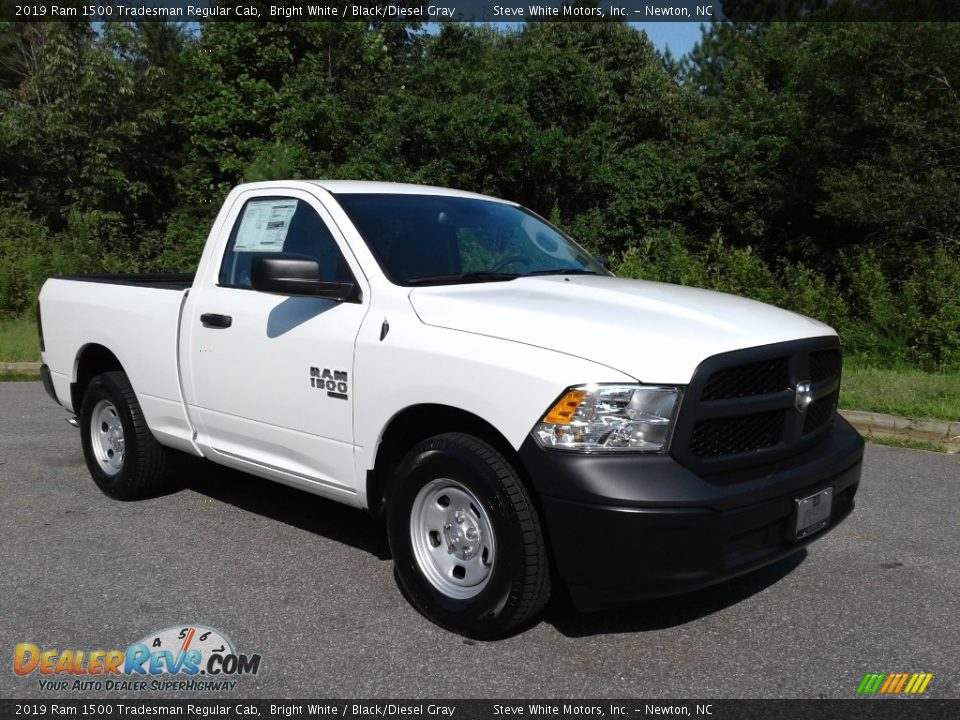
x=628, y=527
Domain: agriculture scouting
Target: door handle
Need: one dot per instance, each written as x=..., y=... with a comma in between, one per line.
x=213, y=320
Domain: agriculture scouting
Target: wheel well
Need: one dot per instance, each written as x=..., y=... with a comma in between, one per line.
x=92, y=361
x=415, y=424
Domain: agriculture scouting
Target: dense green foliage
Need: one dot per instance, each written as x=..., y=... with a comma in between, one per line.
x=815, y=166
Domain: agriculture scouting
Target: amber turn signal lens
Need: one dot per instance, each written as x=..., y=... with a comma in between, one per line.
x=561, y=413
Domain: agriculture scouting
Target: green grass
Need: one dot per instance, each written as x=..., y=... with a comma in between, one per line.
x=902, y=391
x=18, y=340
x=907, y=443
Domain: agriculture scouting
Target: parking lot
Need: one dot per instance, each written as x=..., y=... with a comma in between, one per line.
x=309, y=585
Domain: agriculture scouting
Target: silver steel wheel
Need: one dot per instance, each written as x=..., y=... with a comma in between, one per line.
x=452, y=539
x=106, y=437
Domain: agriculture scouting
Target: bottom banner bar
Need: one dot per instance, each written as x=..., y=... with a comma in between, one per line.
x=874, y=709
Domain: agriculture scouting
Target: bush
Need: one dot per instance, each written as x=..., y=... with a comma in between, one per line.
x=178, y=249
x=933, y=303
x=92, y=243
x=662, y=256
x=739, y=271
x=807, y=292
x=917, y=323
x=878, y=324
x=26, y=250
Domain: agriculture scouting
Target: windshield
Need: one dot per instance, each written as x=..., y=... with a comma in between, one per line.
x=438, y=240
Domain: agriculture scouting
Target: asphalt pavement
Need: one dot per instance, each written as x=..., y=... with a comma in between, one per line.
x=308, y=584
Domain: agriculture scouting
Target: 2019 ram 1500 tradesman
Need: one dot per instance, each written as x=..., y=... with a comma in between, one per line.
x=457, y=365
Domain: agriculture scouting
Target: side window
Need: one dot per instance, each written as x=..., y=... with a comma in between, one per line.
x=278, y=224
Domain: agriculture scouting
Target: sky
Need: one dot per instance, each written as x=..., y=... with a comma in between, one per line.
x=680, y=37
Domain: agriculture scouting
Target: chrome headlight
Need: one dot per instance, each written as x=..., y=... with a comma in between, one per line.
x=594, y=418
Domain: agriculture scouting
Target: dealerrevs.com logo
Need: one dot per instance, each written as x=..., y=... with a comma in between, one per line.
x=186, y=657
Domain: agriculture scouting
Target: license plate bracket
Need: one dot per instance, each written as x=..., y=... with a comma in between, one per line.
x=813, y=513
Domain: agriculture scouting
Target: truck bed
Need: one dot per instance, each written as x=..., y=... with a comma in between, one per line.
x=158, y=281
x=136, y=318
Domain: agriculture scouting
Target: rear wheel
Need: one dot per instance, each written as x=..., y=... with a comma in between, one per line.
x=124, y=459
x=466, y=538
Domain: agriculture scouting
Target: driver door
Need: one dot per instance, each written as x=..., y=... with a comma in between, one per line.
x=272, y=375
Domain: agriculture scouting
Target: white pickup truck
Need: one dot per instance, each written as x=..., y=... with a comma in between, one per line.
x=458, y=366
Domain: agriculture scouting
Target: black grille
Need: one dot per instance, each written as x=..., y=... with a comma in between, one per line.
x=820, y=413
x=824, y=364
x=733, y=436
x=755, y=378
x=747, y=408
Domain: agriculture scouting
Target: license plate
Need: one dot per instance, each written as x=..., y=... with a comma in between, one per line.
x=813, y=512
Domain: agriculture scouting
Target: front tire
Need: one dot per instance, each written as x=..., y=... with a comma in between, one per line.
x=466, y=538
x=124, y=459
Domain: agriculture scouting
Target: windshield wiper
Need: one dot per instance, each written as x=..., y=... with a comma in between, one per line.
x=467, y=277
x=564, y=271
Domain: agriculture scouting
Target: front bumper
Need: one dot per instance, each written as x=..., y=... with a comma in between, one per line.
x=628, y=527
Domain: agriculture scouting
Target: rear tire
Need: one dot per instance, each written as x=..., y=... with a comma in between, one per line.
x=124, y=459
x=466, y=539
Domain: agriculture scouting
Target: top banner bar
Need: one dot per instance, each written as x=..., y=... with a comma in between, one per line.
x=488, y=11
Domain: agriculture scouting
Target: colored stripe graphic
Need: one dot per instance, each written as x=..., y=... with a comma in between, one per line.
x=891, y=678
x=898, y=683
x=906, y=676
x=894, y=683
x=870, y=683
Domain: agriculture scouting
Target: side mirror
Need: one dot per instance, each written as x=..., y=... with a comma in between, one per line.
x=289, y=274
x=605, y=261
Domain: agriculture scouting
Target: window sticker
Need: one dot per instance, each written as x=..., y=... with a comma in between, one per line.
x=264, y=226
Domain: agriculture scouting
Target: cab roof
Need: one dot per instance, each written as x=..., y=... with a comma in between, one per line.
x=389, y=188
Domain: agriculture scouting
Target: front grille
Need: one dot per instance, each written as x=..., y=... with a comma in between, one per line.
x=751, y=379
x=820, y=413
x=824, y=364
x=731, y=436
x=744, y=409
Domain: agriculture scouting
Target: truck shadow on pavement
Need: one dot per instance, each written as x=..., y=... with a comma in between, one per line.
x=357, y=529
x=668, y=612
x=282, y=503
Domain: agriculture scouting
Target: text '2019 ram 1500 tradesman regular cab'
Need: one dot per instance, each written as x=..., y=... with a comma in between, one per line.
x=457, y=365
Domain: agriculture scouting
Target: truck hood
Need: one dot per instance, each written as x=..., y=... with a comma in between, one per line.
x=654, y=332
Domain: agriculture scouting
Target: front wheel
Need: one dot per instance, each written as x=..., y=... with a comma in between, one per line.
x=124, y=459
x=466, y=538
